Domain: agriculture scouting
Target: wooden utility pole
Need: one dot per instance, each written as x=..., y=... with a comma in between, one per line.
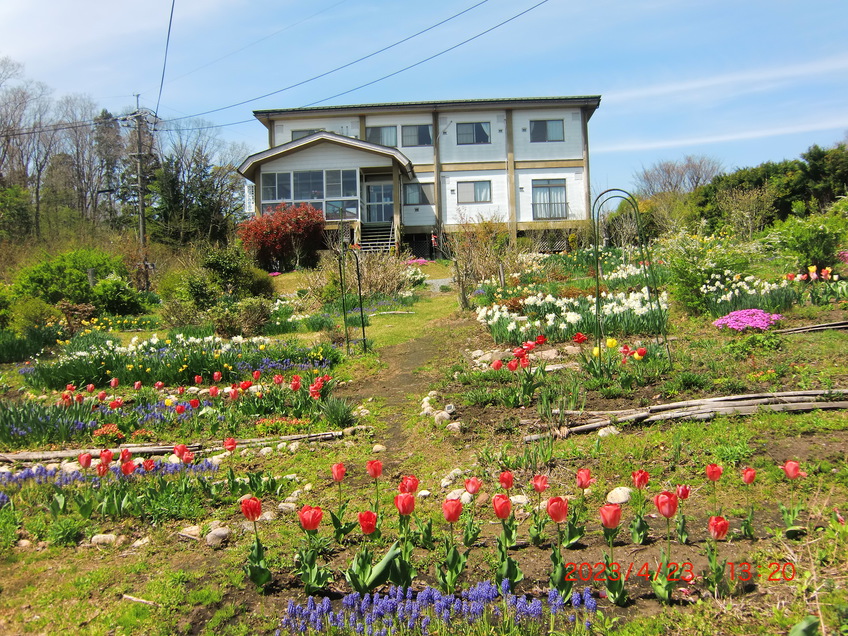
x=142, y=228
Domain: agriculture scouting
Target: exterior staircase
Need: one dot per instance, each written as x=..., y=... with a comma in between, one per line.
x=377, y=237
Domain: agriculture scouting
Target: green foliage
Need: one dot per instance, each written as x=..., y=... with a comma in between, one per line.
x=742, y=348
x=15, y=213
x=6, y=299
x=9, y=523
x=337, y=413
x=247, y=317
x=30, y=315
x=65, y=277
x=814, y=240
x=66, y=531
x=115, y=296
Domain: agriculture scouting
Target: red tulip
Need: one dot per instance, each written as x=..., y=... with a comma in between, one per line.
x=106, y=456
x=540, y=340
x=78, y=398
x=230, y=444
x=128, y=468
x=310, y=518
x=749, y=475
x=610, y=516
x=405, y=503
x=214, y=391
x=251, y=508
x=793, y=469
x=452, y=508
x=502, y=505
x=524, y=362
x=718, y=527
x=641, y=352
x=84, y=460
x=257, y=374
x=367, y=522
x=472, y=485
x=101, y=396
x=506, y=480
x=115, y=404
x=640, y=479
x=584, y=478
x=159, y=385
x=497, y=365
x=374, y=468
x=114, y=382
x=245, y=385
x=216, y=376
x=188, y=457
x=579, y=338
x=180, y=450
x=137, y=385
x=540, y=483
x=278, y=379
x=295, y=383
x=90, y=388
x=102, y=469
x=70, y=387
x=338, y=471
x=180, y=409
x=194, y=403
x=126, y=455
x=198, y=379
x=557, y=509
x=408, y=484
x=148, y=465
x=519, y=352
x=666, y=503
x=512, y=365
x=714, y=472
x=683, y=492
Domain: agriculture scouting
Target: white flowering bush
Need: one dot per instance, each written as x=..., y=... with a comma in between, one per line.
x=727, y=291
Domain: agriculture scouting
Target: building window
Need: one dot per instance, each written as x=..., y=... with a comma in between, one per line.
x=337, y=210
x=474, y=192
x=383, y=135
x=300, y=134
x=276, y=186
x=546, y=130
x=309, y=185
x=418, y=194
x=340, y=183
x=421, y=135
x=549, y=199
x=474, y=133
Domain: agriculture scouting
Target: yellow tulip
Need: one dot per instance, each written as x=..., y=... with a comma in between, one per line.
x=612, y=343
x=596, y=351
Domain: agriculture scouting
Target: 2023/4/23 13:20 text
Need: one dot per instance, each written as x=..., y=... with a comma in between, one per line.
x=684, y=571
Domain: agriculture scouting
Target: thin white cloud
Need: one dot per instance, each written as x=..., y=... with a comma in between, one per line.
x=742, y=80
x=658, y=144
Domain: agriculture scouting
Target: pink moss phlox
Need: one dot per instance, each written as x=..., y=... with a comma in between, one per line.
x=748, y=319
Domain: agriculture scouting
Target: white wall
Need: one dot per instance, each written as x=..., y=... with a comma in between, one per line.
x=458, y=212
x=347, y=126
x=452, y=153
x=326, y=156
x=574, y=191
x=571, y=148
x=419, y=214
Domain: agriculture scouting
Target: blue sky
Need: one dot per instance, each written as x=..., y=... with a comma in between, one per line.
x=740, y=81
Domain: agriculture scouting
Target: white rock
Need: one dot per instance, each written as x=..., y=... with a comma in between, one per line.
x=378, y=448
x=364, y=412
x=173, y=459
x=243, y=497
x=446, y=482
x=217, y=460
x=427, y=411
x=291, y=477
x=192, y=531
x=619, y=495
x=607, y=431
x=266, y=451
x=216, y=524
x=294, y=446
x=24, y=543
x=287, y=507
x=456, y=472
x=217, y=537
x=138, y=543
x=268, y=515
x=519, y=500
x=245, y=451
x=192, y=389
x=293, y=497
x=282, y=446
x=433, y=394
x=477, y=353
x=456, y=493
x=103, y=539
x=546, y=354
x=466, y=498
x=423, y=494
x=454, y=427
x=440, y=417
x=425, y=401
x=307, y=488
x=71, y=467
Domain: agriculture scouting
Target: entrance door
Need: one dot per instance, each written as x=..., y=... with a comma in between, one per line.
x=379, y=203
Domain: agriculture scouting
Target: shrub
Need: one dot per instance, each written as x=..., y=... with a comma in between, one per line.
x=66, y=276
x=258, y=283
x=30, y=315
x=200, y=291
x=115, y=296
x=814, y=240
x=177, y=313
x=247, y=317
x=287, y=238
x=6, y=299
x=227, y=267
x=15, y=348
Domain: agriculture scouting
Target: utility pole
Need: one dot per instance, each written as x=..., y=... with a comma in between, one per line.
x=142, y=228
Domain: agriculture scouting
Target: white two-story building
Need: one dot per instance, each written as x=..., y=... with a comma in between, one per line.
x=415, y=170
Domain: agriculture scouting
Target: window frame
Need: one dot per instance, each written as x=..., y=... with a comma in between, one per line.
x=305, y=132
x=418, y=128
x=547, y=138
x=561, y=182
x=426, y=193
x=459, y=201
x=382, y=128
x=474, y=124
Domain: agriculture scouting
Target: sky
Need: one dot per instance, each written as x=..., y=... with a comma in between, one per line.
x=740, y=81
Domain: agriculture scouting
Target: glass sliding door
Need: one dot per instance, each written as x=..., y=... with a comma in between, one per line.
x=379, y=203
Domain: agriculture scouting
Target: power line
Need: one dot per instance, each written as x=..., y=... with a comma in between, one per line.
x=427, y=59
x=338, y=68
x=165, y=61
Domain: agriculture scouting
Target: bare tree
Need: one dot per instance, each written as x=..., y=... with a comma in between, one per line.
x=677, y=176
x=746, y=209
